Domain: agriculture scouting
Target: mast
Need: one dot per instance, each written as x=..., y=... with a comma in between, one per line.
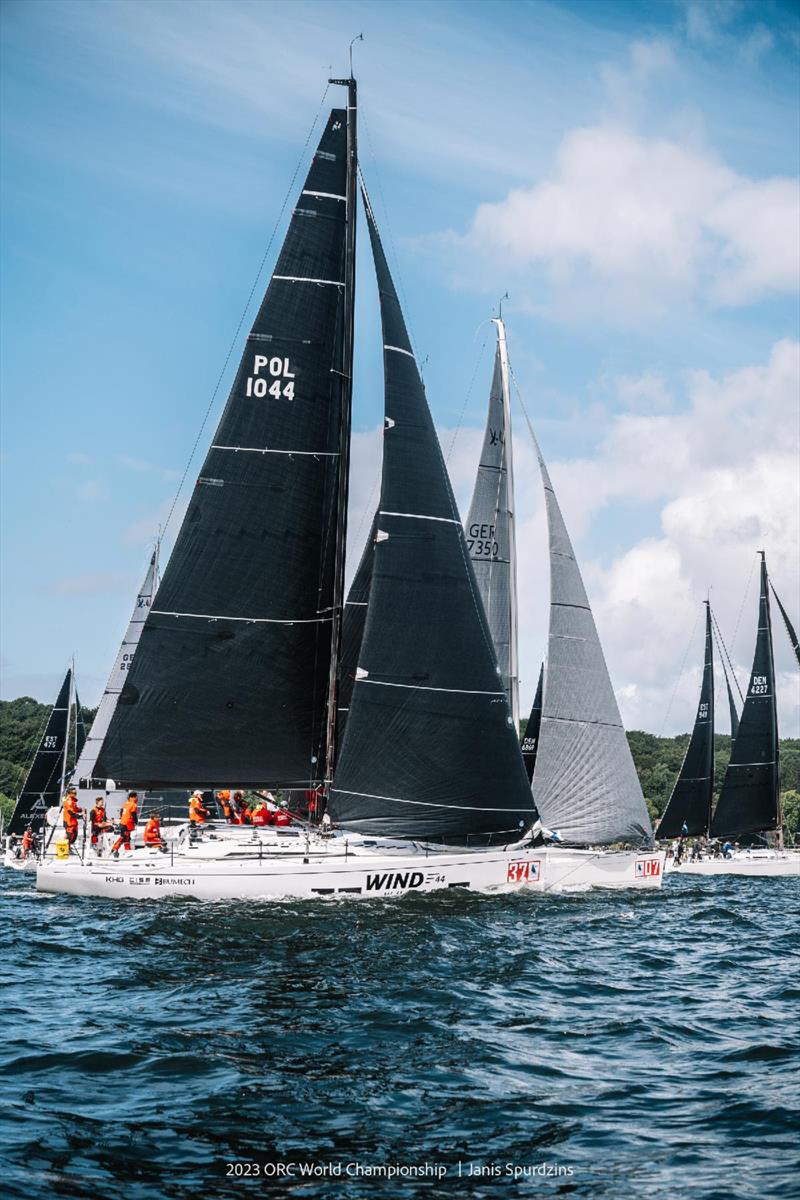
x=513, y=641
x=690, y=802
x=749, y=801
x=348, y=342
x=66, y=736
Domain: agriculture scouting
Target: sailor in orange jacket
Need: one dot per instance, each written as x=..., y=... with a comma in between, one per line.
x=152, y=834
x=198, y=813
x=128, y=820
x=27, y=841
x=70, y=813
x=224, y=798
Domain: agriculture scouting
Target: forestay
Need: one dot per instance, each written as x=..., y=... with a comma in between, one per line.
x=585, y=784
x=430, y=750
x=749, y=802
x=230, y=682
x=689, y=807
x=42, y=787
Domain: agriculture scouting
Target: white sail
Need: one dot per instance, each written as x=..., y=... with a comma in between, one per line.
x=584, y=783
x=490, y=530
x=84, y=768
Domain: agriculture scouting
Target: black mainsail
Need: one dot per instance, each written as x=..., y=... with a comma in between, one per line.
x=689, y=807
x=749, y=801
x=42, y=787
x=232, y=676
x=430, y=750
x=789, y=627
x=530, y=742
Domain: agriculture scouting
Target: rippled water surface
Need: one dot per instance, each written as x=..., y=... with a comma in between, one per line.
x=644, y=1044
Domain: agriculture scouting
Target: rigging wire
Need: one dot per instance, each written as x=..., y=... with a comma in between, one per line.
x=680, y=676
x=724, y=648
x=466, y=400
x=245, y=310
x=741, y=606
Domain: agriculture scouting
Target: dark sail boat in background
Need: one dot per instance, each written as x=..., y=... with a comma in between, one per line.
x=236, y=676
x=688, y=809
x=44, y=783
x=748, y=807
x=789, y=627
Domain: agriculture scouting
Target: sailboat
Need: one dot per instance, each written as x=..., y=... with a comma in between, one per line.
x=575, y=750
x=748, y=807
x=45, y=780
x=236, y=679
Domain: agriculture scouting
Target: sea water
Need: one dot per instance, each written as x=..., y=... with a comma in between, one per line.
x=598, y=1045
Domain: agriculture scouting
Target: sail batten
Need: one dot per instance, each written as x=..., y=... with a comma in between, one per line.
x=584, y=780
x=689, y=806
x=749, y=798
x=230, y=684
x=430, y=750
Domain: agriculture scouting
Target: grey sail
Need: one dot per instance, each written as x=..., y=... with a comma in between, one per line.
x=490, y=528
x=584, y=784
x=88, y=755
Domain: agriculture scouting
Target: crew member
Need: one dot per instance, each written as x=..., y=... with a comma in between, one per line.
x=98, y=820
x=239, y=808
x=224, y=798
x=28, y=841
x=152, y=834
x=261, y=814
x=198, y=813
x=127, y=823
x=70, y=813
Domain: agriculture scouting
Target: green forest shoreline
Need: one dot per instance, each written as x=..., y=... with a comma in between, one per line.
x=658, y=759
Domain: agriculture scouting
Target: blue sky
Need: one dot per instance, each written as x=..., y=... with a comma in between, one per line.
x=627, y=172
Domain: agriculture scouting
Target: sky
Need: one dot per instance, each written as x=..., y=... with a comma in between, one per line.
x=628, y=173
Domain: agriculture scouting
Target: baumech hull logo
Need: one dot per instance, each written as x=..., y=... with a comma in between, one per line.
x=647, y=868
x=523, y=872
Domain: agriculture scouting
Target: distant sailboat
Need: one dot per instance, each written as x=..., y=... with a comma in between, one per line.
x=490, y=527
x=749, y=801
x=44, y=783
x=688, y=809
x=530, y=741
x=789, y=627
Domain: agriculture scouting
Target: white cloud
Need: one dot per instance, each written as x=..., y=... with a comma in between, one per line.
x=626, y=225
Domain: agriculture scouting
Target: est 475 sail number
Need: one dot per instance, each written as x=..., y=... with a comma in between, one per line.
x=271, y=377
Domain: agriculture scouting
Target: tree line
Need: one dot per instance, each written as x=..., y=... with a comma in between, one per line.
x=657, y=759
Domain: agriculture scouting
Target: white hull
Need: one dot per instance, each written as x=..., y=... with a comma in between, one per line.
x=756, y=863
x=277, y=867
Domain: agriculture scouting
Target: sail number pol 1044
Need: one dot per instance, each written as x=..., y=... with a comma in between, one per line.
x=271, y=377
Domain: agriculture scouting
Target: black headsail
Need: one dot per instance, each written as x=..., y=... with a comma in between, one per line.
x=689, y=805
x=80, y=730
x=355, y=616
x=789, y=627
x=231, y=679
x=749, y=799
x=430, y=750
x=42, y=788
x=530, y=742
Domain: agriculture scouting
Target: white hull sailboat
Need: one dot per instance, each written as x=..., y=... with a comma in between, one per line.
x=753, y=863
x=292, y=863
x=237, y=677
